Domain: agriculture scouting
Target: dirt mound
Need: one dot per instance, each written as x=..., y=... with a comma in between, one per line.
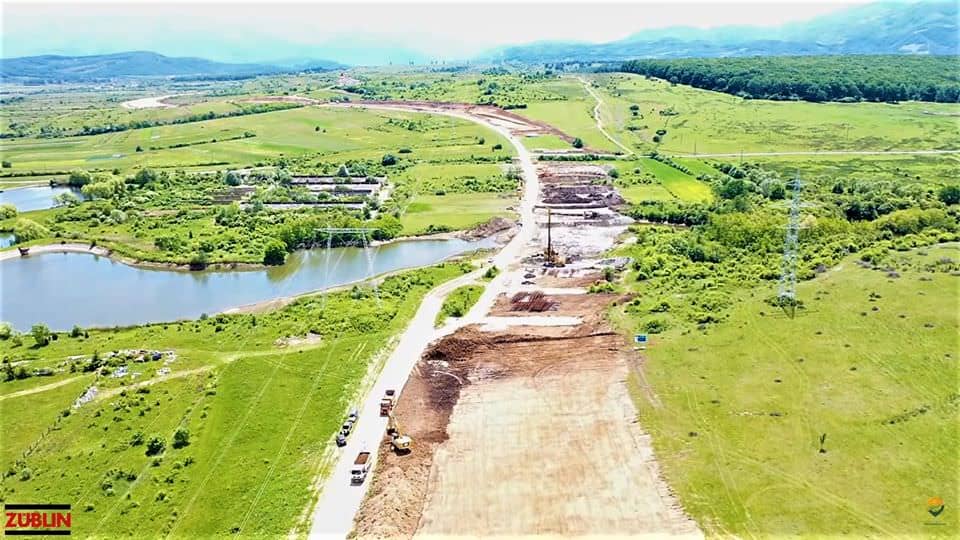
x=494, y=225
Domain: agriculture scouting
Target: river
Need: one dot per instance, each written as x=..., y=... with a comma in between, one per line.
x=66, y=289
x=28, y=199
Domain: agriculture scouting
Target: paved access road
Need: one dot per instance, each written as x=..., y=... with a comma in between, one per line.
x=339, y=500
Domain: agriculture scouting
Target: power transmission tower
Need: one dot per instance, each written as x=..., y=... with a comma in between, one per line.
x=787, y=295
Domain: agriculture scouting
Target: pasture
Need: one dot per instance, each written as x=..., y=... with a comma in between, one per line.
x=737, y=411
x=704, y=122
x=250, y=391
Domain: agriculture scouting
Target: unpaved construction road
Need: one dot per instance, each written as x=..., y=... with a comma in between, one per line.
x=339, y=500
x=523, y=423
x=596, y=116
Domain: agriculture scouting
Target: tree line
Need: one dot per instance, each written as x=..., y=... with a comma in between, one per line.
x=815, y=78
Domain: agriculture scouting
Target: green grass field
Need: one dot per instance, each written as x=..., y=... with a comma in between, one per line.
x=249, y=403
x=457, y=211
x=680, y=184
x=459, y=302
x=736, y=412
x=711, y=122
x=333, y=134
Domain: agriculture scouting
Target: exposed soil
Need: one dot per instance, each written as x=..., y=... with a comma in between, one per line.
x=494, y=225
x=520, y=432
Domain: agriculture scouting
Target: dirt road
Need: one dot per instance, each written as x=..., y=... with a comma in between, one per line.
x=339, y=501
x=596, y=116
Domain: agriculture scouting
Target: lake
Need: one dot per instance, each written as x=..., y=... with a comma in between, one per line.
x=66, y=289
x=34, y=198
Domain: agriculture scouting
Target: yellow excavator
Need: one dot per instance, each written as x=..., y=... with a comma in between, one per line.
x=401, y=443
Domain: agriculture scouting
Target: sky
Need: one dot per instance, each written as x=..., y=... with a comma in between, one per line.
x=234, y=31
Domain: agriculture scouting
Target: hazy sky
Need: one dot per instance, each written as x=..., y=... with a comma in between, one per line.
x=260, y=31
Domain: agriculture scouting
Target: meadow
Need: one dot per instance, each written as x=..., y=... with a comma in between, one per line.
x=260, y=393
x=333, y=134
x=736, y=411
x=703, y=122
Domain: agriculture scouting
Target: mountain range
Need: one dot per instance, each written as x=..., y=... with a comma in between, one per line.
x=881, y=28
x=50, y=68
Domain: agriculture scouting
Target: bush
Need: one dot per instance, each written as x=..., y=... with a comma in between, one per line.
x=577, y=142
x=156, y=446
x=8, y=211
x=388, y=159
x=655, y=326
x=498, y=146
x=76, y=331
x=137, y=439
x=949, y=194
x=275, y=253
x=232, y=179
x=7, y=164
x=181, y=438
x=404, y=151
x=613, y=173
x=5, y=331
x=25, y=230
x=41, y=334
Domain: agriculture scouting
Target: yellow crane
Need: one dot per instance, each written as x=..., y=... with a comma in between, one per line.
x=401, y=443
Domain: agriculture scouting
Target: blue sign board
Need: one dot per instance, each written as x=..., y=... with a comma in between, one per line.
x=640, y=338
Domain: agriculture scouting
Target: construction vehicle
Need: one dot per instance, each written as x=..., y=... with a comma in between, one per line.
x=386, y=403
x=361, y=466
x=550, y=257
x=400, y=442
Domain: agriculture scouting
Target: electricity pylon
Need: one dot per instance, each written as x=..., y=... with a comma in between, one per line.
x=787, y=295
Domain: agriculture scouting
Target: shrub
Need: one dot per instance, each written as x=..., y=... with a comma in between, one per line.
x=181, y=438
x=498, y=146
x=41, y=334
x=949, y=194
x=388, y=159
x=275, y=253
x=137, y=439
x=655, y=326
x=8, y=211
x=25, y=230
x=76, y=331
x=5, y=331
x=7, y=164
x=404, y=151
x=156, y=446
x=577, y=142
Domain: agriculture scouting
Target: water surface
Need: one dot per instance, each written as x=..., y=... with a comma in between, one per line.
x=28, y=199
x=64, y=289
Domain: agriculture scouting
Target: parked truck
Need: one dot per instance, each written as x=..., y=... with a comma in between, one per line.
x=361, y=466
x=386, y=403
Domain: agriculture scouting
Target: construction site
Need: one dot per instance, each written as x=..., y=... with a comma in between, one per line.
x=522, y=424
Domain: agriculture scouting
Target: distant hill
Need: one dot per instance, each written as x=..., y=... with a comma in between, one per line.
x=882, y=28
x=51, y=68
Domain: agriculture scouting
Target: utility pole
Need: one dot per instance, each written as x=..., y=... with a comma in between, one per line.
x=787, y=295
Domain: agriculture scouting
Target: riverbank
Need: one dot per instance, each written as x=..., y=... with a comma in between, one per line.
x=499, y=236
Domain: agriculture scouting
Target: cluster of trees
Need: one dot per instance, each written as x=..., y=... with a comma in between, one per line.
x=815, y=78
x=200, y=117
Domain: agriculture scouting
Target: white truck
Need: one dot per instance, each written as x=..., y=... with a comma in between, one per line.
x=361, y=466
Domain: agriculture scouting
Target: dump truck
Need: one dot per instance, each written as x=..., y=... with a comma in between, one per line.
x=386, y=403
x=361, y=466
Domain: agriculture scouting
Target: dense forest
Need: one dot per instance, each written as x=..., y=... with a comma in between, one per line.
x=815, y=78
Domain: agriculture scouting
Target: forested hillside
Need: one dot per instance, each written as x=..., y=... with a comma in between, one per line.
x=816, y=78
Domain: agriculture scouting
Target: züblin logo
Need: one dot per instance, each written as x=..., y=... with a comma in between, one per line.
x=935, y=506
x=37, y=519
